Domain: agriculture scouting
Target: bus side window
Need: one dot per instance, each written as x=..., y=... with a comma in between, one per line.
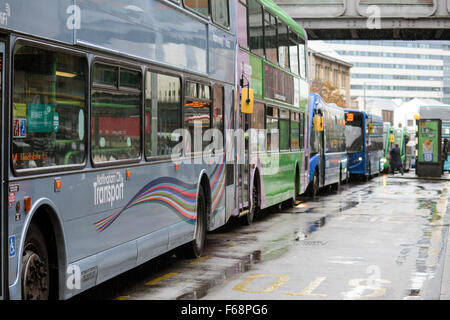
x=115, y=114
x=219, y=12
x=162, y=113
x=197, y=112
x=217, y=116
x=272, y=129
x=302, y=130
x=295, y=136
x=49, y=108
x=284, y=130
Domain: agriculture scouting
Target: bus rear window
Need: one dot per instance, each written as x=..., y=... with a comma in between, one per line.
x=49, y=108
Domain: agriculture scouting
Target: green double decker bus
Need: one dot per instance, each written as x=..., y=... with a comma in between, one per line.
x=271, y=63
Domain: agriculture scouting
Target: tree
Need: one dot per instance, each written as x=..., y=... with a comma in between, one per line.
x=328, y=92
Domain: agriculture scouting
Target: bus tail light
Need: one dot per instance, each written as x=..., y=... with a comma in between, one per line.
x=27, y=203
x=57, y=185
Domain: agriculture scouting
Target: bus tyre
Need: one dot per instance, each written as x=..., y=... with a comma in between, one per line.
x=254, y=208
x=297, y=181
x=35, y=278
x=194, y=249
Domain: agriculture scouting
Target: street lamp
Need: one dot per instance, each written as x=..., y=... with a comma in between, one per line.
x=364, y=91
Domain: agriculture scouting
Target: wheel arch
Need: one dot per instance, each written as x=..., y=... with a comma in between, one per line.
x=204, y=181
x=256, y=179
x=45, y=216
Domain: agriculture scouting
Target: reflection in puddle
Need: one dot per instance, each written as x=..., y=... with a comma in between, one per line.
x=202, y=289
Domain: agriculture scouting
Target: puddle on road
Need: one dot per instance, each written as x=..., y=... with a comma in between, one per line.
x=276, y=248
x=203, y=288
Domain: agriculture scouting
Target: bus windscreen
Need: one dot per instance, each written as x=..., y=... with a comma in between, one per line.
x=354, y=134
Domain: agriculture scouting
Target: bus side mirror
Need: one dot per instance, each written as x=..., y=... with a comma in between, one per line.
x=318, y=123
x=247, y=100
x=391, y=138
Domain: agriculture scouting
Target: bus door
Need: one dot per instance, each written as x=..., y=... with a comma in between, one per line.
x=3, y=231
x=319, y=142
x=243, y=164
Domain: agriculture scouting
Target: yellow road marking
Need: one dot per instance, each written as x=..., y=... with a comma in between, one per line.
x=200, y=260
x=159, y=279
x=308, y=291
x=122, y=298
x=279, y=281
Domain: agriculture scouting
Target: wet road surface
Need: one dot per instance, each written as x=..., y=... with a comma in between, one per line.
x=384, y=239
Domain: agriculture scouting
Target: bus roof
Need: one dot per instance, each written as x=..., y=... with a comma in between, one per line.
x=367, y=113
x=317, y=97
x=276, y=10
x=435, y=112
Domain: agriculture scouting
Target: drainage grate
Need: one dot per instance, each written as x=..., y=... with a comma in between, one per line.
x=312, y=243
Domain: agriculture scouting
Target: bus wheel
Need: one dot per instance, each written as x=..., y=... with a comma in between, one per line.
x=35, y=266
x=297, y=181
x=194, y=249
x=254, y=209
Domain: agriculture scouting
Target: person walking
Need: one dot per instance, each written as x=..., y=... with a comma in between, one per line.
x=444, y=153
x=396, y=160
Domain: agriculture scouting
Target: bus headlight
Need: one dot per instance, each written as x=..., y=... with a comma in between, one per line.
x=360, y=159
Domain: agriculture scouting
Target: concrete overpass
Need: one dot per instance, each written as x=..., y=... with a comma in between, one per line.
x=371, y=19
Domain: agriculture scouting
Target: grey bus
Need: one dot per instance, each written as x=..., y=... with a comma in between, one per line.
x=92, y=92
x=99, y=99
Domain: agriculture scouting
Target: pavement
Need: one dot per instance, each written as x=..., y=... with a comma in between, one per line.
x=445, y=287
x=445, y=275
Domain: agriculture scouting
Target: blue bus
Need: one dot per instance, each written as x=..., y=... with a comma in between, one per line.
x=109, y=114
x=364, y=143
x=328, y=156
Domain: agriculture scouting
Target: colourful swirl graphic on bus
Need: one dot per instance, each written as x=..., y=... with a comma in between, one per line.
x=217, y=185
x=167, y=191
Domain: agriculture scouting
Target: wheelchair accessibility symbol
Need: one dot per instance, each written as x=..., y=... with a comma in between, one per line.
x=12, y=246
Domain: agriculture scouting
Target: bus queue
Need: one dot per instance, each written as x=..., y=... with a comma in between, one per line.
x=136, y=136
